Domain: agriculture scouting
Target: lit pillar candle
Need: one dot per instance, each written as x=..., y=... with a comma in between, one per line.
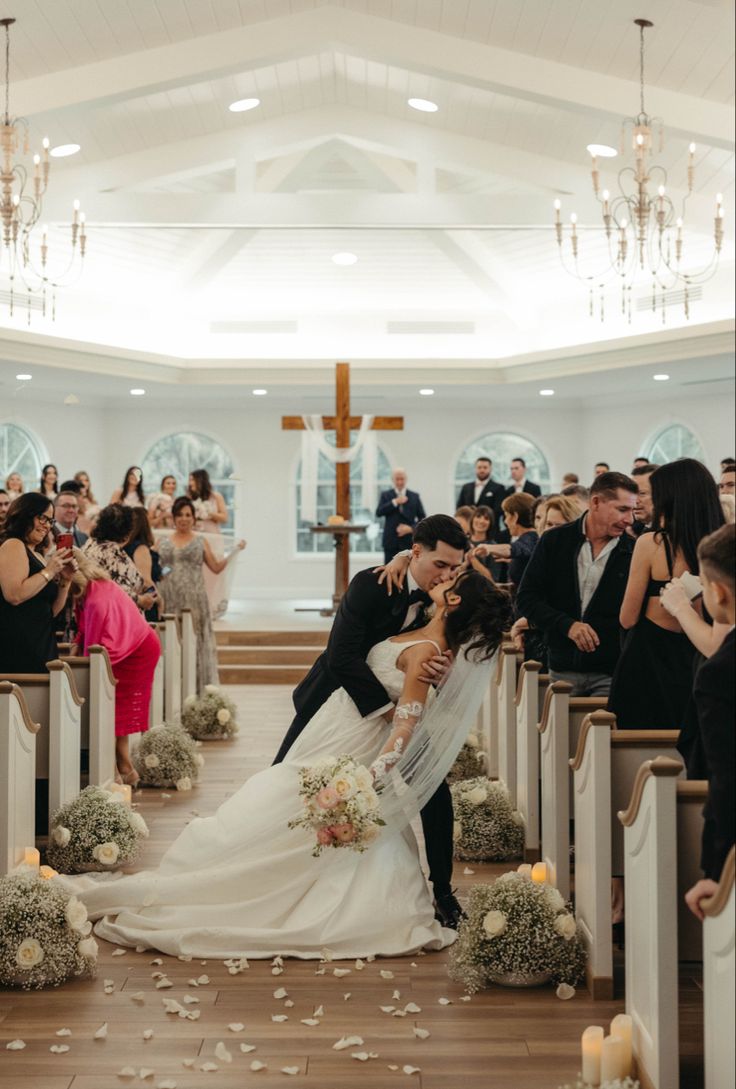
x=525, y=870
x=124, y=790
x=47, y=872
x=621, y=1026
x=32, y=857
x=592, y=1042
x=539, y=872
x=613, y=1059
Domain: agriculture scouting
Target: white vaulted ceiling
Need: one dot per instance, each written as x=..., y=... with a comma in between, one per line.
x=211, y=233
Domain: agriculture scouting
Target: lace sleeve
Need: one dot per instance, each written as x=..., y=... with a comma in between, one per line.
x=405, y=719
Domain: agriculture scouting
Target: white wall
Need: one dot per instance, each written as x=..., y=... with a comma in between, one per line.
x=105, y=441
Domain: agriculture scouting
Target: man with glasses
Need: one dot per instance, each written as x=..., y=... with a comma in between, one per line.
x=66, y=512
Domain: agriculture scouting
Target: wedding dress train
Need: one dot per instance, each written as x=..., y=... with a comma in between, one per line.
x=242, y=883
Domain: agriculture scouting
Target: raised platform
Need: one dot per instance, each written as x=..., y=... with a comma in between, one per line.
x=267, y=657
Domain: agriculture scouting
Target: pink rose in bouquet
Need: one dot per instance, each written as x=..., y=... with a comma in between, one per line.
x=327, y=798
x=324, y=836
x=343, y=833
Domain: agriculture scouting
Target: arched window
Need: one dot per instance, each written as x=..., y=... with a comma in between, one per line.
x=180, y=454
x=307, y=542
x=501, y=447
x=19, y=453
x=672, y=442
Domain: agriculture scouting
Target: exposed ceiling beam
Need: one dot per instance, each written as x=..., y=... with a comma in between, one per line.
x=488, y=272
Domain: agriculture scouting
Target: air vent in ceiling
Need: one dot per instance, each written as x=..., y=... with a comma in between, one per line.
x=433, y=328
x=707, y=381
x=671, y=298
x=257, y=328
x=23, y=301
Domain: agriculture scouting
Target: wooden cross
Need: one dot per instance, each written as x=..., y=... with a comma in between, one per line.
x=342, y=423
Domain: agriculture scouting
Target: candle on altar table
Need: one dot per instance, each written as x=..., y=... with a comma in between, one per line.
x=622, y=1027
x=539, y=872
x=525, y=870
x=613, y=1059
x=32, y=857
x=591, y=1043
x=47, y=872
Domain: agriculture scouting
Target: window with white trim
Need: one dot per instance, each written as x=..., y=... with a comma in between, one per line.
x=179, y=455
x=672, y=442
x=19, y=453
x=501, y=447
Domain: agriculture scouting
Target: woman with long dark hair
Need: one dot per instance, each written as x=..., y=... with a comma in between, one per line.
x=210, y=505
x=131, y=494
x=653, y=680
x=49, y=483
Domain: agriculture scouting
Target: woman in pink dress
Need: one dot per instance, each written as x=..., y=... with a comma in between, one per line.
x=107, y=616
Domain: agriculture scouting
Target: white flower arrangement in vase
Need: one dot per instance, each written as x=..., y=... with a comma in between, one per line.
x=167, y=757
x=44, y=934
x=517, y=932
x=486, y=825
x=210, y=717
x=469, y=762
x=95, y=831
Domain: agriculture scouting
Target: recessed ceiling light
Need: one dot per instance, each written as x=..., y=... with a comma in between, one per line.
x=423, y=105
x=546, y=393
x=137, y=392
x=61, y=151
x=344, y=259
x=260, y=392
x=661, y=378
x=427, y=392
x=24, y=377
x=244, y=104
x=602, y=151
x=71, y=399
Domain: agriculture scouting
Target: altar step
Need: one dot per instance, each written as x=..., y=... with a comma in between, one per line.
x=267, y=657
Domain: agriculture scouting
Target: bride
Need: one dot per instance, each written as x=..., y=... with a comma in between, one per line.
x=242, y=883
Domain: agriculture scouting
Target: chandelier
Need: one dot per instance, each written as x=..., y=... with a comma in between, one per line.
x=641, y=225
x=22, y=190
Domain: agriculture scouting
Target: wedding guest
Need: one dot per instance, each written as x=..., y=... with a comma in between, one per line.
x=517, y=512
x=538, y=512
x=160, y=504
x=464, y=517
x=5, y=502
x=570, y=478
x=106, y=548
x=66, y=512
x=89, y=508
x=106, y=616
x=638, y=463
x=653, y=678
x=559, y=510
x=49, y=484
x=520, y=482
x=14, y=485
x=573, y=587
x=727, y=485
x=401, y=510
x=131, y=494
x=185, y=553
x=482, y=531
x=728, y=506
x=579, y=495
x=601, y=467
x=643, y=511
x=484, y=490
x=715, y=684
x=209, y=505
x=725, y=462
x=140, y=548
x=33, y=587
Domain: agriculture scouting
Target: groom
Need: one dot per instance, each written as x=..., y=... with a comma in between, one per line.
x=368, y=615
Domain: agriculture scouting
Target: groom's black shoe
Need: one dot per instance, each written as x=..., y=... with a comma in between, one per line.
x=447, y=910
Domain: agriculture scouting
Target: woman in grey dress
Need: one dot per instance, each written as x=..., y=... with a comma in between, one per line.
x=183, y=586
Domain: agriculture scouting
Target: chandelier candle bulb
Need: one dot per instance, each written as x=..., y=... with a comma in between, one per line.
x=591, y=1043
x=558, y=223
x=622, y=1026
x=613, y=1059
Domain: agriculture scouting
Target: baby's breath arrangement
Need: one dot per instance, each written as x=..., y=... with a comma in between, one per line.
x=516, y=929
x=486, y=827
x=44, y=934
x=211, y=716
x=167, y=756
x=470, y=761
x=95, y=831
x=625, y=1083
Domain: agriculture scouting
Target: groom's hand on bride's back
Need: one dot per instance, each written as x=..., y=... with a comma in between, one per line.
x=435, y=670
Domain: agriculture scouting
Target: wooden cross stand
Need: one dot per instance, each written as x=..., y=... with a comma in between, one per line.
x=342, y=423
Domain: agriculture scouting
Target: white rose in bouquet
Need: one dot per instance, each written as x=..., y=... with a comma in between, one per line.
x=223, y=716
x=29, y=954
x=151, y=761
x=106, y=853
x=61, y=835
x=139, y=825
x=473, y=741
x=211, y=689
x=344, y=786
x=76, y=914
x=88, y=948
x=363, y=778
x=477, y=795
x=494, y=923
x=190, y=701
x=566, y=927
x=554, y=898
x=185, y=783
x=114, y=798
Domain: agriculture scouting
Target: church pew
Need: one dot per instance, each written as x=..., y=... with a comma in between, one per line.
x=156, y=713
x=171, y=644
x=188, y=655
x=17, y=776
x=506, y=695
x=531, y=684
x=95, y=682
x=488, y=720
x=662, y=823
x=604, y=769
x=719, y=984
x=54, y=702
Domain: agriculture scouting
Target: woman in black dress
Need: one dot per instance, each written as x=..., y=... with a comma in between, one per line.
x=33, y=589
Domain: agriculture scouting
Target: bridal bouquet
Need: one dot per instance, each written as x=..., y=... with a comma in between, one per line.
x=340, y=804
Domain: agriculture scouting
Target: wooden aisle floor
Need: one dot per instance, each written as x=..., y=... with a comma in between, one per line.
x=500, y=1039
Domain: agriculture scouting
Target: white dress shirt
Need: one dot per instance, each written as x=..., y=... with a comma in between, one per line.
x=590, y=571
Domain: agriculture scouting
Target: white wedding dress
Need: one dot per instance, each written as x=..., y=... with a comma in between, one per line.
x=242, y=883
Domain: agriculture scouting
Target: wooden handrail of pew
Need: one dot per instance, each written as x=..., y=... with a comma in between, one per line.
x=37, y=679
x=696, y=789
x=632, y=738
x=8, y=687
x=54, y=667
x=593, y=719
x=95, y=648
x=526, y=667
x=556, y=686
x=662, y=766
x=715, y=904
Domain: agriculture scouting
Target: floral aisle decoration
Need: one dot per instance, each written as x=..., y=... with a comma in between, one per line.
x=517, y=932
x=619, y=1083
x=211, y=717
x=486, y=825
x=470, y=761
x=45, y=935
x=341, y=804
x=167, y=757
x=95, y=831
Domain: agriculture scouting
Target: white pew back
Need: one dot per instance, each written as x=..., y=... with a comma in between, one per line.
x=156, y=714
x=530, y=685
x=718, y=981
x=171, y=643
x=95, y=683
x=188, y=655
x=17, y=776
x=507, y=718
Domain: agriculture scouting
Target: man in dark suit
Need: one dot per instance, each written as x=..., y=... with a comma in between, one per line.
x=520, y=482
x=484, y=491
x=367, y=615
x=401, y=509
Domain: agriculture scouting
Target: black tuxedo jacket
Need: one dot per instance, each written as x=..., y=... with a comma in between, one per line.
x=409, y=513
x=492, y=495
x=715, y=683
x=367, y=615
x=529, y=487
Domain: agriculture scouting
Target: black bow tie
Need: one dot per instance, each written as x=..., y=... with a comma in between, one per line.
x=419, y=596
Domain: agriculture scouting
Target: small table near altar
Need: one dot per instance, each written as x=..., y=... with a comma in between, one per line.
x=340, y=531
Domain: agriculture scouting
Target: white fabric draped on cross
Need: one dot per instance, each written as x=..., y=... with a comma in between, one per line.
x=314, y=443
